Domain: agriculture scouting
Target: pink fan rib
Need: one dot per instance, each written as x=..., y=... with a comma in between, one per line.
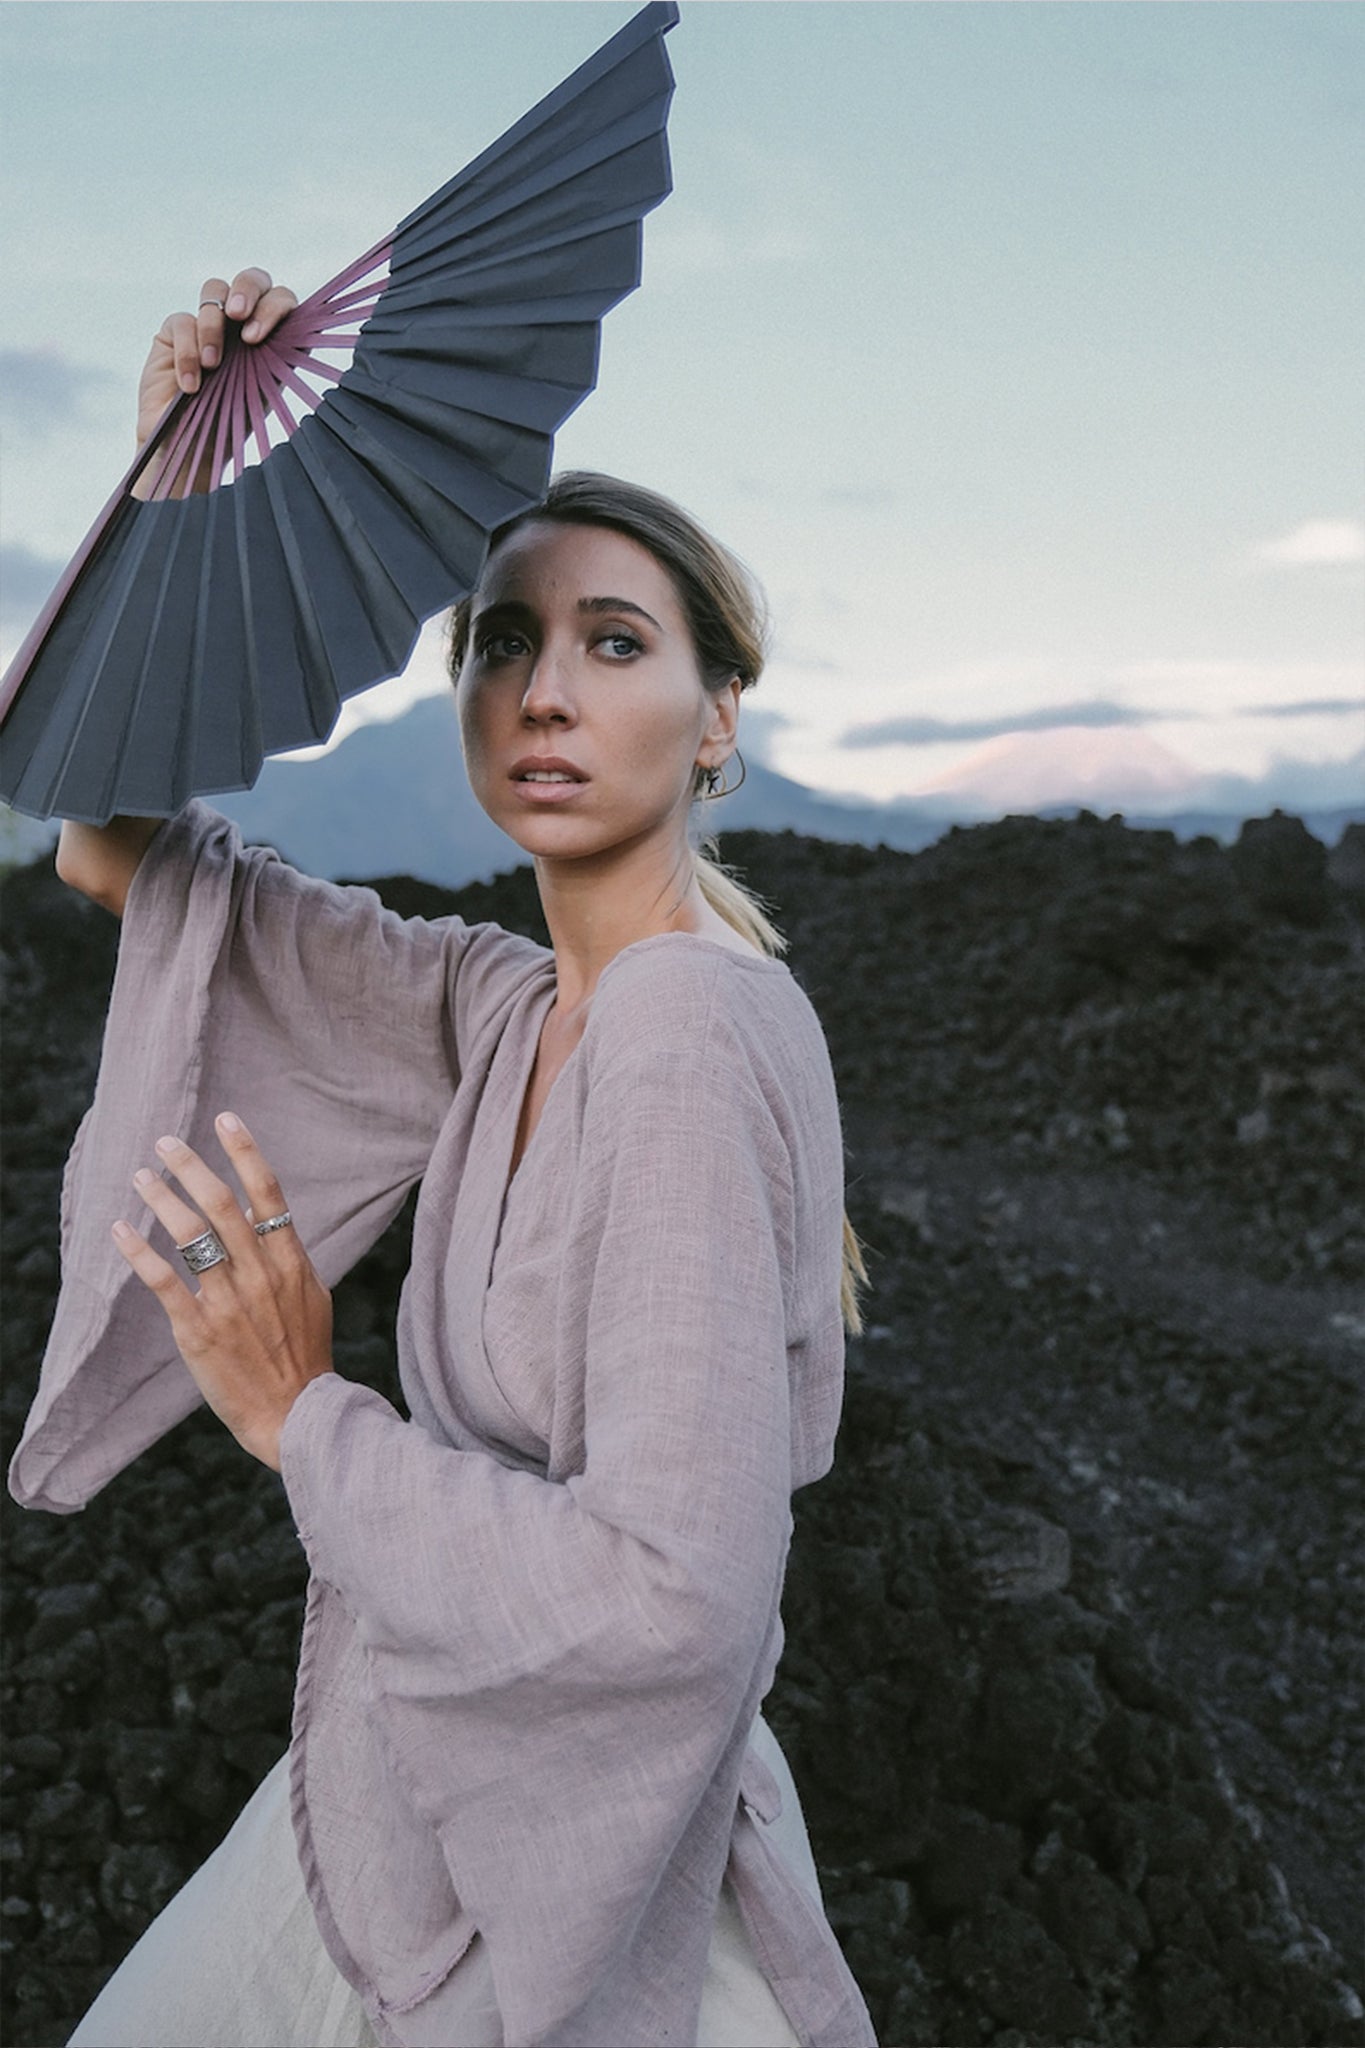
x=257, y=404
x=221, y=438
x=178, y=444
x=231, y=410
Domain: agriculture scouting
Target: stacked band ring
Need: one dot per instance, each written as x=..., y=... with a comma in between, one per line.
x=203, y=1251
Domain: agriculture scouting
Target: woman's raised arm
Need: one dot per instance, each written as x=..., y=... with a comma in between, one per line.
x=101, y=860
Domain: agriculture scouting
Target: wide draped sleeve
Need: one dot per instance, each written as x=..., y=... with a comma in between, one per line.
x=566, y=1670
x=331, y=1024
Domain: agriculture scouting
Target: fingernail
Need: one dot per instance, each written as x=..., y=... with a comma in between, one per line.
x=168, y=1145
x=228, y=1122
x=210, y=356
x=123, y=1232
x=144, y=1177
x=251, y=330
x=236, y=304
x=190, y=380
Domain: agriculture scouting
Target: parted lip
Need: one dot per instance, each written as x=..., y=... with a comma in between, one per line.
x=545, y=763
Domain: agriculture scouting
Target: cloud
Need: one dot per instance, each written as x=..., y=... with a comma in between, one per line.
x=1293, y=785
x=806, y=659
x=1311, y=707
x=25, y=581
x=1314, y=544
x=919, y=732
x=40, y=389
x=758, y=728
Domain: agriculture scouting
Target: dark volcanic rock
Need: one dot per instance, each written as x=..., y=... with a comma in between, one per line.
x=1073, y=1678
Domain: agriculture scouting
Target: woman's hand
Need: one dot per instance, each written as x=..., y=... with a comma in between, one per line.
x=187, y=344
x=260, y=1327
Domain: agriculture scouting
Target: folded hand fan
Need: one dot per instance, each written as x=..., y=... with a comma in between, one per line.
x=190, y=637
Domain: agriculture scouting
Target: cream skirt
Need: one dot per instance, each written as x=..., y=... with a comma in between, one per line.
x=236, y=1961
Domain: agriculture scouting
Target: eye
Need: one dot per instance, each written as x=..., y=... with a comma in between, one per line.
x=506, y=645
x=621, y=645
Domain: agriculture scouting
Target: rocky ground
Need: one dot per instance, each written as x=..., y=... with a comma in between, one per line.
x=1073, y=1685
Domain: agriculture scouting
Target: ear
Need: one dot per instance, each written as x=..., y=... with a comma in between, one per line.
x=722, y=723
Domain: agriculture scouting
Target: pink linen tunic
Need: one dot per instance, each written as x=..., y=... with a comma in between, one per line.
x=543, y=1613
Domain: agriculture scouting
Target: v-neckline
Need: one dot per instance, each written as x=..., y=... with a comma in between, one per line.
x=512, y=1166
x=526, y=1068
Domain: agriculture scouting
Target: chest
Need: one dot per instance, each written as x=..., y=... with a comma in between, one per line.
x=558, y=1038
x=484, y=1319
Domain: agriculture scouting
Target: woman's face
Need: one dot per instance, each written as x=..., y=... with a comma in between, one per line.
x=582, y=710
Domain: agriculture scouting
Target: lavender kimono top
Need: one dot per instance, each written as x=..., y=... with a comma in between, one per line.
x=542, y=1614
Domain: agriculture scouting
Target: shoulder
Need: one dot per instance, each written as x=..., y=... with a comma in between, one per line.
x=677, y=1003
x=675, y=987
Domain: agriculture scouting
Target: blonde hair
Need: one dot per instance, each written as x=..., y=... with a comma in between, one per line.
x=728, y=620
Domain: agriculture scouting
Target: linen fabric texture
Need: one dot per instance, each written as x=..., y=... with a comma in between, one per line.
x=541, y=1614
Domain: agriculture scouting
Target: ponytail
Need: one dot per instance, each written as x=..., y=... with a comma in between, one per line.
x=745, y=913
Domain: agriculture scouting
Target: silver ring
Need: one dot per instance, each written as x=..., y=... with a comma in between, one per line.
x=203, y=1251
x=222, y=308
x=272, y=1223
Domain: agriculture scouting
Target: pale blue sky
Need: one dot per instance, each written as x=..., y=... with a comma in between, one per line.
x=1017, y=346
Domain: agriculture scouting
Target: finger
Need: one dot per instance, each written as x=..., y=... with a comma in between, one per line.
x=154, y=1273
x=212, y=301
x=174, y=1214
x=246, y=288
x=180, y=332
x=269, y=310
x=263, y=1191
x=214, y=1199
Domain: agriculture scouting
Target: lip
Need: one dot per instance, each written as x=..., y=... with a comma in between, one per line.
x=546, y=792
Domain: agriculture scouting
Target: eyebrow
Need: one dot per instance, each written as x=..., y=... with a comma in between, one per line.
x=618, y=604
x=512, y=607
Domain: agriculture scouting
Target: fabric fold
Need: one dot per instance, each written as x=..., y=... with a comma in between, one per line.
x=321, y=1017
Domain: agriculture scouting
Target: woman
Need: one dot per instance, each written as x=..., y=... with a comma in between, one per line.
x=532, y=1795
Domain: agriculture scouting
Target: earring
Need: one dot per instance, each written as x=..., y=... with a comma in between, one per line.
x=716, y=785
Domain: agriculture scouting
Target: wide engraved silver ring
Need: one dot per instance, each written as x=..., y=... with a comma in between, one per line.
x=272, y=1223
x=203, y=1251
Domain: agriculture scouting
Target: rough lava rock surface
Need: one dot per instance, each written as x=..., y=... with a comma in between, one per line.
x=1072, y=1681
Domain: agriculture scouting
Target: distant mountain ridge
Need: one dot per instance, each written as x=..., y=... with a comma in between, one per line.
x=393, y=799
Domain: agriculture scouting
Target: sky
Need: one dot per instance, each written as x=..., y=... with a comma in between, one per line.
x=1015, y=344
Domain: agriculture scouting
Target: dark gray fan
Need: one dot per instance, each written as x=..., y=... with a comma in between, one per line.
x=190, y=637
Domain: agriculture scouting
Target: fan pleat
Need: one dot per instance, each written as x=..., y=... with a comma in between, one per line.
x=330, y=611
x=451, y=316
x=515, y=455
x=565, y=111
x=192, y=636
x=429, y=541
x=568, y=270
x=376, y=547
x=616, y=156
x=142, y=751
x=282, y=661
x=562, y=357
x=31, y=737
x=433, y=442
x=521, y=402
x=551, y=216
x=83, y=742
x=219, y=734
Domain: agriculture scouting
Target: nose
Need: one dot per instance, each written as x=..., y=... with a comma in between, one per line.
x=548, y=696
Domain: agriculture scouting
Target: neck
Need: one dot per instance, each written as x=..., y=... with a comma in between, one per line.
x=597, y=906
